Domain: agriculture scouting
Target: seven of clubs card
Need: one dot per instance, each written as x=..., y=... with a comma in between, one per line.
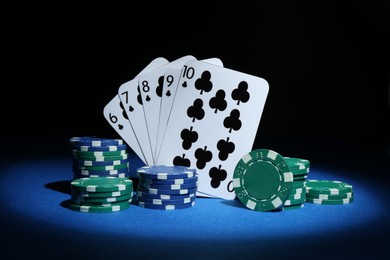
x=209, y=125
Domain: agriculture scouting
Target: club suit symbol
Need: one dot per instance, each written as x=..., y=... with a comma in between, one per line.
x=196, y=110
x=217, y=175
x=203, y=83
x=218, y=102
x=189, y=137
x=233, y=121
x=241, y=94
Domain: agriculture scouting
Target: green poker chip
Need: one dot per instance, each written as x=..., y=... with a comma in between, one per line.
x=101, y=195
x=81, y=199
x=330, y=202
x=102, y=168
x=102, y=184
x=328, y=187
x=330, y=197
x=100, y=158
x=297, y=163
x=262, y=180
x=298, y=206
x=98, y=153
x=113, y=207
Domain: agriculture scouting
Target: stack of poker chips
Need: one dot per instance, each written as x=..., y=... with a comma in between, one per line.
x=328, y=192
x=166, y=187
x=100, y=194
x=97, y=157
x=300, y=169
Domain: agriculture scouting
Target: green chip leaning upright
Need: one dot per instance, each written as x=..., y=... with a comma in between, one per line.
x=262, y=180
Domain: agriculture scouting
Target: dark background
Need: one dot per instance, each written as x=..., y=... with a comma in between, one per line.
x=327, y=64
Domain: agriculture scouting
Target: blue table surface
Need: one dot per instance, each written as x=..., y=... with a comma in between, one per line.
x=35, y=183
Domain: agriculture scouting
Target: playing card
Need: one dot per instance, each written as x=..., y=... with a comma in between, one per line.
x=214, y=121
x=171, y=78
x=115, y=114
x=151, y=89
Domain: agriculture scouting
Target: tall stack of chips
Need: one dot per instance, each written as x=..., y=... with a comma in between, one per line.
x=99, y=157
x=300, y=169
x=166, y=187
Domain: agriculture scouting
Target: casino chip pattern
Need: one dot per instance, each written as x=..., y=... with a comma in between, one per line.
x=99, y=157
x=166, y=187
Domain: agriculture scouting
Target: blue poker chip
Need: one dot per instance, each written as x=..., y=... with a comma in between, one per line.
x=185, y=200
x=94, y=141
x=168, y=181
x=165, y=191
x=165, y=207
x=164, y=196
x=164, y=172
x=168, y=186
x=108, y=148
x=100, y=163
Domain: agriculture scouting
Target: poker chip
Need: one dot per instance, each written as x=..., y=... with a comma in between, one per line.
x=297, y=164
x=76, y=192
x=330, y=202
x=262, y=180
x=330, y=197
x=100, y=163
x=109, y=148
x=108, y=158
x=169, y=186
x=98, y=153
x=165, y=202
x=298, y=206
x=113, y=207
x=166, y=207
x=191, y=180
x=94, y=141
x=87, y=173
x=102, y=184
x=163, y=172
x=166, y=191
x=82, y=199
x=102, y=168
x=164, y=196
x=328, y=187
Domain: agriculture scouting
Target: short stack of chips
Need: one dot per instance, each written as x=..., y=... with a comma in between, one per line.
x=328, y=192
x=101, y=194
x=97, y=157
x=166, y=187
x=300, y=169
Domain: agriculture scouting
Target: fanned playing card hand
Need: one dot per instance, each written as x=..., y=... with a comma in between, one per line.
x=206, y=117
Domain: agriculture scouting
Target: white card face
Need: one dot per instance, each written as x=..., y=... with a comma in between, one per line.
x=117, y=117
x=151, y=89
x=213, y=123
x=171, y=78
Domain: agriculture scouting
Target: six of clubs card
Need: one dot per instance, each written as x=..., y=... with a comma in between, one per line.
x=194, y=113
